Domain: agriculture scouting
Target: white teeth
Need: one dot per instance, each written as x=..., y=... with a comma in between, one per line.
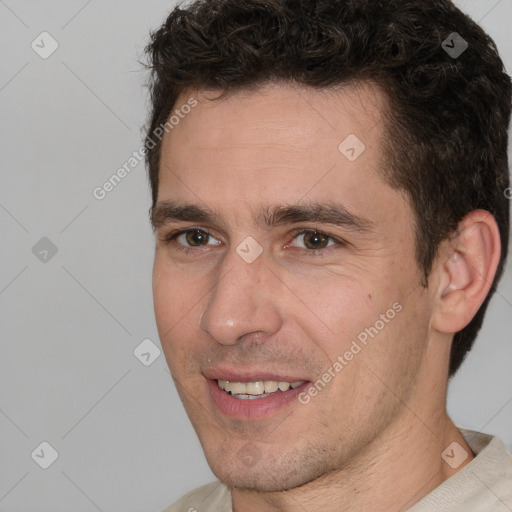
x=260, y=389
x=237, y=388
x=255, y=388
x=271, y=386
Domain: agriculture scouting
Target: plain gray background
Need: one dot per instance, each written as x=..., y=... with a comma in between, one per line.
x=70, y=323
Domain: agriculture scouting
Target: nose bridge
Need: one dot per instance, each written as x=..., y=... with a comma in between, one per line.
x=241, y=301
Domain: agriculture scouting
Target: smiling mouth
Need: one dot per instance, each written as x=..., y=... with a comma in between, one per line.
x=257, y=389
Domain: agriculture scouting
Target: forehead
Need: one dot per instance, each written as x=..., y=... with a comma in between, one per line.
x=278, y=114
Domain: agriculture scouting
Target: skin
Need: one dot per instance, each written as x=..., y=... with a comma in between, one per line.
x=372, y=438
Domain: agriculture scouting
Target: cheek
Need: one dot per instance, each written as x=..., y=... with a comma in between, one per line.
x=177, y=304
x=333, y=315
x=361, y=324
x=396, y=345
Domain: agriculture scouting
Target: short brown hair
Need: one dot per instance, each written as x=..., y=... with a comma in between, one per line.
x=449, y=114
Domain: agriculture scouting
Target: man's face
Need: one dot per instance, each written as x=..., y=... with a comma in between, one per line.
x=296, y=250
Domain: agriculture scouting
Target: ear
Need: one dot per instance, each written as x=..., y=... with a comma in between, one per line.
x=466, y=266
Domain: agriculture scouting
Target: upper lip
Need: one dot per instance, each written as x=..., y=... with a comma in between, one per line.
x=250, y=375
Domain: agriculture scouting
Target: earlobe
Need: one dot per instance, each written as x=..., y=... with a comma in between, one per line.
x=467, y=267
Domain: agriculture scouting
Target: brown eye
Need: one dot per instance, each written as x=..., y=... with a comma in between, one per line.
x=313, y=240
x=196, y=237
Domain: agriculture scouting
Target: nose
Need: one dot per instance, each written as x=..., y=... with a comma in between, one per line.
x=242, y=301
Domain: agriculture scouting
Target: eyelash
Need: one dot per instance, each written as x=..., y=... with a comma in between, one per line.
x=171, y=237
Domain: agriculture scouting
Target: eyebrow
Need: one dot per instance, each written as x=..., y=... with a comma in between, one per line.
x=324, y=213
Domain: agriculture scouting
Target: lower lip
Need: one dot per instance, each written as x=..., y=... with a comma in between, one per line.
x=252, y=409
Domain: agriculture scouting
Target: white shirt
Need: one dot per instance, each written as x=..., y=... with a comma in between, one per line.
x=483, y=485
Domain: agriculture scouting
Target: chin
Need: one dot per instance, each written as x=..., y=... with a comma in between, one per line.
x=271, y=473
x=257, y=481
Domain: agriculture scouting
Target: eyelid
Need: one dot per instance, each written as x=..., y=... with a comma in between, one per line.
x=175, y=233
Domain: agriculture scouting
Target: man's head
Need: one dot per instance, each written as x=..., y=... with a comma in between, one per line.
x=333, y=163
x=446, y=120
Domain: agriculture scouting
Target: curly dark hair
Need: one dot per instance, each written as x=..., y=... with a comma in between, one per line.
x=446, y=128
